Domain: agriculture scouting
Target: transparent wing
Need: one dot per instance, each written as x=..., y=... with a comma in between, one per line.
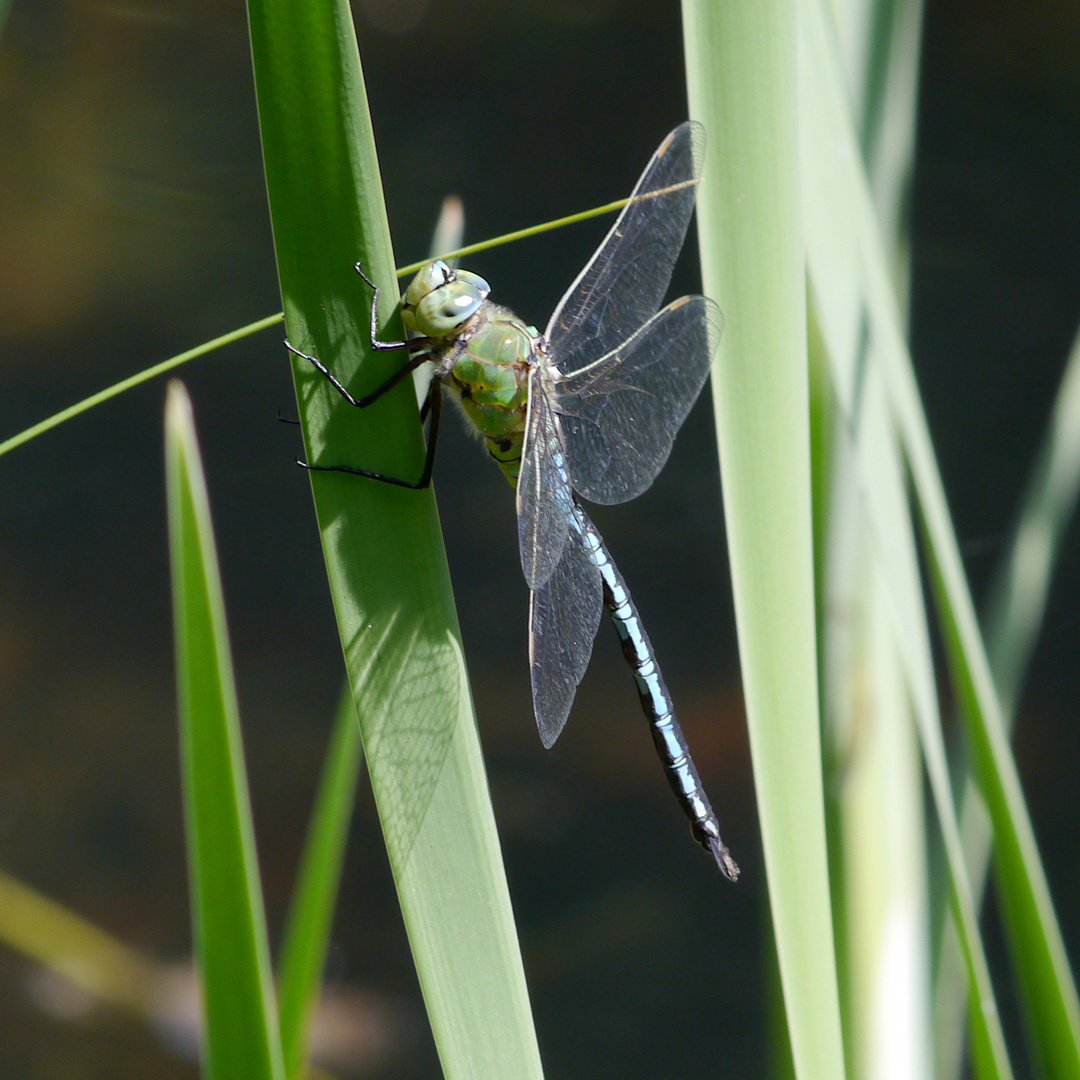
x=624, y=282
x=564, y=615
x=619, y=415
x=544, y=499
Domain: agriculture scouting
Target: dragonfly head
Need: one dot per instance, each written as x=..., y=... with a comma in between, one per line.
x=440, y=300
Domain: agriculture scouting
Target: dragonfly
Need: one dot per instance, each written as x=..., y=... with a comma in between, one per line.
x=588, y=408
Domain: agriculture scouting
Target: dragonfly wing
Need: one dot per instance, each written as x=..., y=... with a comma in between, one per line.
x=620, y=415
x=624, y=282
x=564, y=615
x=544, y=499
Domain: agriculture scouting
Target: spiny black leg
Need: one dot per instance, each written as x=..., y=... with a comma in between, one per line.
x=413, y=363
x=433, y=404
x=381, y=346
x=287, y=419
x=417, y=345
x=362, y=472
x=362, y=402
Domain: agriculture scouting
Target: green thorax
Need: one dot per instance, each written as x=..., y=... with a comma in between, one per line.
x=486, y=370
x=482, y=354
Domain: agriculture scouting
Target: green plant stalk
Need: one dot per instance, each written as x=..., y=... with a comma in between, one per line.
x=874, y=777
x=134, y=380
x=311, y=913
x=873, y=770
x=1019, y=593
x=231, y=950
x=830, y=169
x=267, y=321
x=63, y=941
x=886, y=92
x=1038, y=952
x=740, y=62
x=517, y=234
x=1015, y=612
x=384, y=554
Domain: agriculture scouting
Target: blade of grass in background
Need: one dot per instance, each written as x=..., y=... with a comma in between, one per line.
x=387, y=567
x=1019, y=593
x=873, y=773
x=1015, y=612
x=830, y=157
x=1038, y=954
x=452, y=252
x=132, y=381
x=70, y=945
x=311, y=912
x=447, y=236
x=874, y=780
x=880, y=42
x=229, y=928
x=740, y=62
x=1039, y=958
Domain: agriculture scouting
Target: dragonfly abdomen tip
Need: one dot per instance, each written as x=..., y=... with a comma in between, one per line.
x=728, y=867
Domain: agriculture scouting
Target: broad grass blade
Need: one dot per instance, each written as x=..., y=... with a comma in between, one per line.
x=1039, y=957
x=741, y=61
x=231, y=951
x=384, y=554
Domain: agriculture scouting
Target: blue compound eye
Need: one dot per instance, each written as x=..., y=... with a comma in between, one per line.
x=440, y=300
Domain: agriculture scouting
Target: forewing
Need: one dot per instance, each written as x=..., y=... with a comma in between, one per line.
x=544, y=499
x=564, y=615
x=620, y=415
x=624, y=282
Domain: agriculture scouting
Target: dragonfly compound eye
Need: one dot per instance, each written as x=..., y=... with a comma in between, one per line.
x=429, y=277
x=443, y=309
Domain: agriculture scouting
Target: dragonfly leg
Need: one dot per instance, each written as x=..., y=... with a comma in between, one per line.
x=360, y=402
x=428, y=405
x=384, y=346
x=432, y=405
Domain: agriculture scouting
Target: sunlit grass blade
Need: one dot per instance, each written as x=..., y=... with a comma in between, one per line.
x=449, y=229
x=830, y=162
x=874, y=778
x=1019, y=594
x=232, y=955
x=741, y=75
x=67, y=943
x=898, y=580
x=311, y=912
x=448, y=234
x=880, y=41
x=1015, y=612
x=387, y=567
x=1046, y=984
x=873, y=769
x=1038, y=953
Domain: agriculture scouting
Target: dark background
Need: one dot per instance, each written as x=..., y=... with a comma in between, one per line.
x=133, y=225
